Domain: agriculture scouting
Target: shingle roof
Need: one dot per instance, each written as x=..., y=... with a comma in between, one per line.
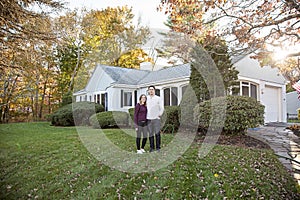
x=115, y=72
x=125, y=75
x=251, y=68
x=135, y=77
x=169, y=73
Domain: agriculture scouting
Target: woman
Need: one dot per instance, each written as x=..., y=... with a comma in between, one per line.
x=140, y=121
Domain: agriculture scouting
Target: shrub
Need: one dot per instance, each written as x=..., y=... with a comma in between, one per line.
x=109, y=119
x=67, y=99
x=241, y=113
x=131, y=117
x=187, y=105
x=76, y=113
x=170, y=119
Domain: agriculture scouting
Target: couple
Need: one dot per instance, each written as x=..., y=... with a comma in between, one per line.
x=147, y=115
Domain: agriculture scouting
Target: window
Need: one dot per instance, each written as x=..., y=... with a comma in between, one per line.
x=135, y=97
x=249, y=89
x=167, y=97
x=171, y=96
x=98, y=99
x=126, y=98
x=103, y=99
x=183, y=89
x=157, y=92
x=174, y=94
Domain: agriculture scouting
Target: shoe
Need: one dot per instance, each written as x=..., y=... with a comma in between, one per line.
x=157, y=150
x=151, y=150
x=143, y=150
x=139, y=152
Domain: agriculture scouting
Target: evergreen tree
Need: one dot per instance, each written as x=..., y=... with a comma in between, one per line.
x=203, y=74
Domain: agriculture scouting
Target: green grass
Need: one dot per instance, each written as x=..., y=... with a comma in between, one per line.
x=39, y=161
x=293, y=121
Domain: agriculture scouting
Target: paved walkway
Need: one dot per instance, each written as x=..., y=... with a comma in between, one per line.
x=284, y=143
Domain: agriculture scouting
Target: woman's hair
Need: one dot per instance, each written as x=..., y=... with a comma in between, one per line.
x=143, y=95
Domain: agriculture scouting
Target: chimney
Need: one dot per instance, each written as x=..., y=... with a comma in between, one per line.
x=146, y=66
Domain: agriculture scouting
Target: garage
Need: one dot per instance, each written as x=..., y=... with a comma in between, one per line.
x=271, y=99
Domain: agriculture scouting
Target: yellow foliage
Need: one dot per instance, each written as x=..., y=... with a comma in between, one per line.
x=132, y=59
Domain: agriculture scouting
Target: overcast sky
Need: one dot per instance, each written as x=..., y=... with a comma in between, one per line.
x=147, y=9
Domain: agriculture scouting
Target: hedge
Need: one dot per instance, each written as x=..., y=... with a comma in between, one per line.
x=131, y=115
x=170, y=119
x=241, y=113
x=75, y=113
x=109, y=119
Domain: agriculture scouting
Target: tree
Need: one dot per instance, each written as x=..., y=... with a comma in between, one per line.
x=176, y=47
x=257, y=26
x=20, y=23
x=70, y=49
x=200, y=79
x=32, y=75
x=132, y=59
x=109, y=33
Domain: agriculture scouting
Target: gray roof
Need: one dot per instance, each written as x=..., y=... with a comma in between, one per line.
x=251, y=68
x=247, y=67
x=135, y=77
x=125, y=75
x=115, y=72
x=169, y=73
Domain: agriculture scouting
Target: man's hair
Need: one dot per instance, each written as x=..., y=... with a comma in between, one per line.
x=151, y=86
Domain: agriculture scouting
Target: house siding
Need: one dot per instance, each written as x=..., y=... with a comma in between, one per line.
x=104, y=80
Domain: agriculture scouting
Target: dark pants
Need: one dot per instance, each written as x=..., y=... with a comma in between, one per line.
x=154, y=129
x=142, y=128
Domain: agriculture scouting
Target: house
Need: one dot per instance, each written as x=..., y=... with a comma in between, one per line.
x=118, y=89
x=266, y=84
x=292, y=104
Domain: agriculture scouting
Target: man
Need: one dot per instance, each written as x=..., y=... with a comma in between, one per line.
x=155, y=111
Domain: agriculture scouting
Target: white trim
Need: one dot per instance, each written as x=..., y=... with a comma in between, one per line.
x=169, y=81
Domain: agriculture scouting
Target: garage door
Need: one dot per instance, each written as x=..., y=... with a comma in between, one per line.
x=271, y=102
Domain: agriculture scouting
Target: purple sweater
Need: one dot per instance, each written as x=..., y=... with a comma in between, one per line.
x=140, y=113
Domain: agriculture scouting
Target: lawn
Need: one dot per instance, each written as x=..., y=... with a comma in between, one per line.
x=39, y=161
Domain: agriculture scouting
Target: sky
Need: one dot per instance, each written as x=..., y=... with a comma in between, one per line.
x=146, y=9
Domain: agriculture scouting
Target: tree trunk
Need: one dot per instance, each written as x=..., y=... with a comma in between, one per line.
x=42, y=102
x=5, y=116
x=7, y=96
x=36, y=99
x=75, y=70
x=44, y=94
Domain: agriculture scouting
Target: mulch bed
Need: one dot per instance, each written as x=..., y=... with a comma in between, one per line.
x=244, y=141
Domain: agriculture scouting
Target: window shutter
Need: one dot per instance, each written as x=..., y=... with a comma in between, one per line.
x=122, y=98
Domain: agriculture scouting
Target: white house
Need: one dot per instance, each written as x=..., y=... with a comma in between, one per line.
x=292, y=104
x=119, y=88
x=266, y=84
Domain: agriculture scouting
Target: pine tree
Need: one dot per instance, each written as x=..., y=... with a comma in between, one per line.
x=204, y=75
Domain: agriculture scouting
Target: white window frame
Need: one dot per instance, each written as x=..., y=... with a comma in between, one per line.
x=170, y=95
x=125, y=100
x=248, y=84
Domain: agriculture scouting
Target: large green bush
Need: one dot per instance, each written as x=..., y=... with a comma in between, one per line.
x=170, y=119
x=241, y=113
x=109, y=119
x=187, y=105
x=131, y=117
x=75, y=113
